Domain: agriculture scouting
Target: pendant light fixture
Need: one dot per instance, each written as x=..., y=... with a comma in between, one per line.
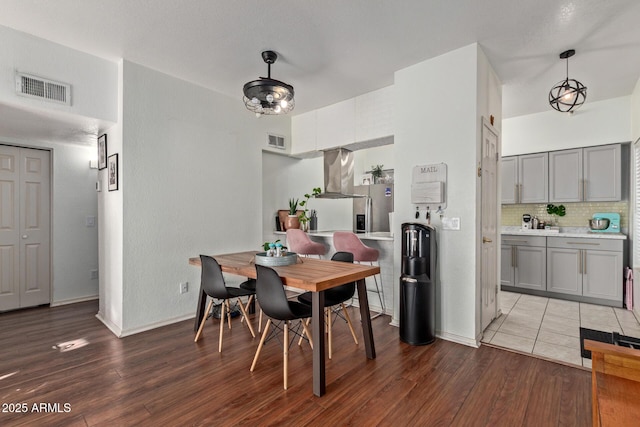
x=569, y=94
x=267, y=95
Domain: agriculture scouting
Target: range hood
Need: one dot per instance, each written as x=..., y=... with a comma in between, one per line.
x=338, y=175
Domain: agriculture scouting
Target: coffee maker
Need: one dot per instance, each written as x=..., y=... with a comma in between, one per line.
x=526, y=222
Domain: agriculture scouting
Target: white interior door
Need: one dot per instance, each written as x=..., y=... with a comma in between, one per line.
x=24, y=227
x=489, y=196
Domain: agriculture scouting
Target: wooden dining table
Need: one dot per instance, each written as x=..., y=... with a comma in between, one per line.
x=313, y=275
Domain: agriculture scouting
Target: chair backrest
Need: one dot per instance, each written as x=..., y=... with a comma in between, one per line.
x=299, y=242
x=270, y=292
x=347, y=241
x=212, y=279
x=347, y=290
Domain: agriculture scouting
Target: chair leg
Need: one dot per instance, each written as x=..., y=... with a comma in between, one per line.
x=246, y=307
x=261, y=344
x=346, y=315
x=204, y=320
x=285, y=348
x=244, y=313
x=260, y=321
x=222, y=307
x=306, y=331
x=228, y=313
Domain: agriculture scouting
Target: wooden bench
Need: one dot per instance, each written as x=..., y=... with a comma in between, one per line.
x=615, y=384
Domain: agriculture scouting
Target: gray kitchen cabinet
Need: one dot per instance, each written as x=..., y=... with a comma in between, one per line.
x=524, y=262
x=509, y=172
x=565, y=176
x=591, y=268
x=525, y=179
x=564, y=270
x=602, y=170
x=507, y=267
x=591, y=174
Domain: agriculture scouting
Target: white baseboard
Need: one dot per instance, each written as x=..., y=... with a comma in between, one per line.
x=73, y=300
x=113, y=328
x=133, y=331
x=121, y=333
x=457, y=339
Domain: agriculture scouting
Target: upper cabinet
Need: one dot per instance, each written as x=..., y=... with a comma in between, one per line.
x=336, y=125
x=363, y=118
x=591, y=174
x=602, y=170
x=303, y=132
x=525, y=179
x=374, y=114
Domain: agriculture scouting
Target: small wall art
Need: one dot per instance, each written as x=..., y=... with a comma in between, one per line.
x=102, y=151
x=113, y=172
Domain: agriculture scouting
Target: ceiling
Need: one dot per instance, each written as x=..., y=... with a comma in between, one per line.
x=333, y=50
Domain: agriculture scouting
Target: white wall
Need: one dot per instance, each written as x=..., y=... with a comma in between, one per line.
x=190, y=183
x=444, y=130
x=110, y=231
x=365, y=159
x=594, y=123
x=93, y=80
x=74, y=246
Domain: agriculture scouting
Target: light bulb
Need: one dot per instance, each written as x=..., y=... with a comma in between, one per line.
x=567, y=94
x=277, y=109
x=269, y=98
x=284, y=103
x=255, y=100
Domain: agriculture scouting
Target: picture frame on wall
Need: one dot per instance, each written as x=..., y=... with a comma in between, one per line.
x=113, y=172
x=102, y=152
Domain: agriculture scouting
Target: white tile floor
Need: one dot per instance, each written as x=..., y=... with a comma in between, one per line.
x=551, y=328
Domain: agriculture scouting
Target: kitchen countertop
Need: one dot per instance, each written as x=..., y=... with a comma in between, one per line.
x=583, y=232
x=379, y=235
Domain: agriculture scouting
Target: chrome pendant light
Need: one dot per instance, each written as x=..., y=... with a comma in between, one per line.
x=569, y=94
x=267, y=95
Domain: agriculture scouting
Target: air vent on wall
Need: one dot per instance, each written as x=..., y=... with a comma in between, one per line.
x=37, y=87
x=275, y=141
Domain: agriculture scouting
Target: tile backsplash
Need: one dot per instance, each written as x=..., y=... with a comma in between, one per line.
x=578, y=214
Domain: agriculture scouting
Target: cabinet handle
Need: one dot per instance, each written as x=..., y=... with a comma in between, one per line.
x=584, y=265
x=580, y=261
x=584, y=190
x=516, y=241
x=583, y=243
x=519, y=193
x=515, y=193
x=513, y=256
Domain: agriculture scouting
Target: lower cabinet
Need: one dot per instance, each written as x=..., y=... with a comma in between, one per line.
x=588, y=267
x=524, y=262
x=581, y=269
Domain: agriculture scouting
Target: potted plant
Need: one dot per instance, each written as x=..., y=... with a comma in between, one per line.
x=377, y=173
x=292, y=220
x=303, y=217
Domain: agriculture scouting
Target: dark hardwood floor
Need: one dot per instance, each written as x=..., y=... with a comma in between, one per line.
x=163, y=378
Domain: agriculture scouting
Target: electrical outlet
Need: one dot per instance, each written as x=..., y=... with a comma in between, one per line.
x=93, y=274
x=184, y=287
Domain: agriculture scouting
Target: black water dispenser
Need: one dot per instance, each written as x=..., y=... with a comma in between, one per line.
x=417, y=284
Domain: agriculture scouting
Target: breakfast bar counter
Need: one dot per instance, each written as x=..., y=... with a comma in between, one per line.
x=383, y=242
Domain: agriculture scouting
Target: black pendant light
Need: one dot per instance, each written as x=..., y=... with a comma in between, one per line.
x=569, y=94
x=267, y=95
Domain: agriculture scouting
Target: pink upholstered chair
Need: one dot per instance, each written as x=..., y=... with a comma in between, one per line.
x=299, y=242
x=346, y=241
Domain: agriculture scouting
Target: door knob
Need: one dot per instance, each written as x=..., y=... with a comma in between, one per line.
x=24, y=236
x=486, y=240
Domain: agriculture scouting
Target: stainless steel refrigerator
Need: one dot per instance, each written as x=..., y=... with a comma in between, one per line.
x=371, y=213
